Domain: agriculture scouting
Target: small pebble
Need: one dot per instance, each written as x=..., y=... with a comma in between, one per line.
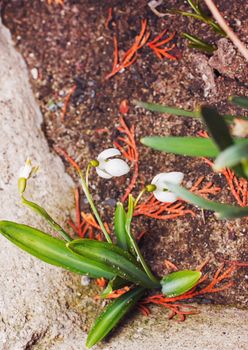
x=111, y=202
x=34, y=73
x=85, y=281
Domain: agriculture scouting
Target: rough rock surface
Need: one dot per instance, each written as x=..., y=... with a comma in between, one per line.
x=33, y=295
x=228, y=61
x=38, y=308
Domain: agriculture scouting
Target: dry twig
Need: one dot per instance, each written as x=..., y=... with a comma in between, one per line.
x=222, y=23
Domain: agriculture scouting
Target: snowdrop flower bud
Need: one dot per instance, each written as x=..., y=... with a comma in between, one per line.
x=24, y=174
x=161, y=193
x=25, y=170
x=108, y=168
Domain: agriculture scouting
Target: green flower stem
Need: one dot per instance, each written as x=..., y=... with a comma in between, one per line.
x=133, y=241
x=139, y=196
x=87, y=174
x=93, y=207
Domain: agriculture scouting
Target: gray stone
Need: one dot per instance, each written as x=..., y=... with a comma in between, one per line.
x=43, y=307
x=33, y=294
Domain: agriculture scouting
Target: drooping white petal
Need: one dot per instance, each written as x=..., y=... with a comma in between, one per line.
x=103, y=173
x=174, y=177
x=156, y=178
x=25, y=171
x=116, y=167
x=107, y=153
x=165, y=196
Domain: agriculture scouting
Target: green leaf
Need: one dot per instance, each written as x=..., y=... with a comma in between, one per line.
x=241, y=101
x=216, y=127
x=194, y=6
x=234, y=155
x=224, y=211
x=120, y=229
x=113, y=313
x=154, y=107
x=185, y=145
x=182, y=145
x=43, y=213
x=123, y=263
x=52, y=250
x=198, y=43
x=179, y=282
x=219, y=132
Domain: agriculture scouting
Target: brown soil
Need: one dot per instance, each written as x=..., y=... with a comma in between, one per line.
x=70, y=45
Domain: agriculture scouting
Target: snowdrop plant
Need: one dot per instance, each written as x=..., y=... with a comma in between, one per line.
x=121, y=263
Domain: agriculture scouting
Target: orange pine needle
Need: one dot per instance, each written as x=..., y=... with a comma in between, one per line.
x=138, y=238
x=144, y=310
x=57, y=2
x=66, y=102
x=117, y=293
x=238, y=187
x=64, y=154
x=170, y=265
x=109, y=18
x=207, y=189
x=124, y=107
x=236, y=262
x=77, y=227
x=131, y=55
x=129, y=151
x=161, y=211
x=101, y=282
x=155, y=46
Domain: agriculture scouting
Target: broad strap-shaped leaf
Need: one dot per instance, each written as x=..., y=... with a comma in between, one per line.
x=120, y=227
x=241, y=101
x=183, y=145
x=179, y=282
x=113, y=313
x=232, y=156
x=120, y=260
x=224, y=211
x=52, y=250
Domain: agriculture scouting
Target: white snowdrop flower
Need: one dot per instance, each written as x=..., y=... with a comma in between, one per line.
x=107, y=167
x=25, y=171
x=159, y=181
